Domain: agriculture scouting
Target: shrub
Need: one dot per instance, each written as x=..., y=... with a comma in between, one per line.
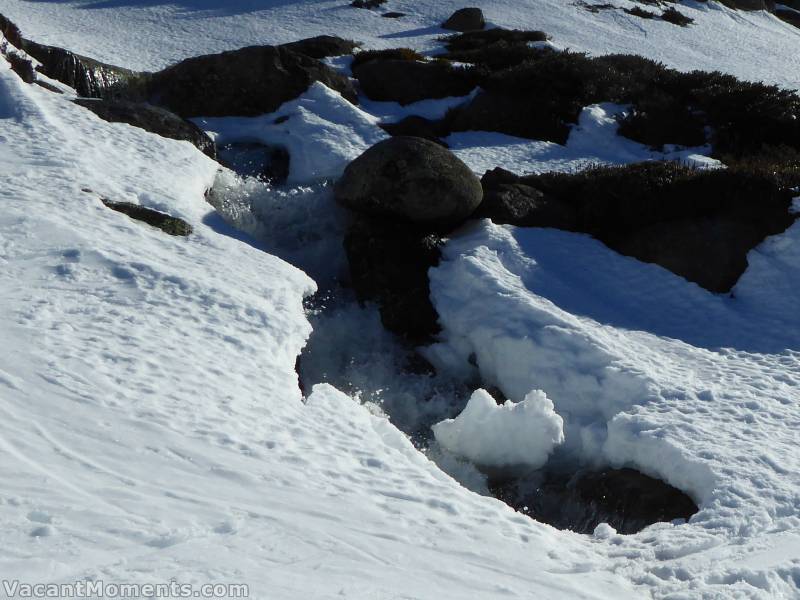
x=366, y=56
x=676, y=17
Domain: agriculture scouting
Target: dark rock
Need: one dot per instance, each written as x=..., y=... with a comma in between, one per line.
x=465, y=19
x=523, y=205
x=11, y=32
x=367, y=3
x=406, y=81
x=322, y=46
x=252, y=159
x=21, y=66
x=789, y=16
x=151, y=118
x=393, y=15
x=410, y=179
x=625, y=499
x=671, y=15
x=247, y=82
x=698, y=224
x=89, y=78
x=420, y=127
x=389, y=265
x=164, y=222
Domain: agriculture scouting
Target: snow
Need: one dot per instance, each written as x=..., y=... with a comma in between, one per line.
x=149, y=35
x=508, y=435
x=321, y=130
x=652, y=372
x=593, y=141
x=153, y=428
x=152, y=422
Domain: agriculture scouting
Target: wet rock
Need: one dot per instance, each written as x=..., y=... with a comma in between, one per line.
x=465, y=19
x=166, y=223
x=625, y=499
x=410, y=179
x=89, y=78
x=322, y=46
x=389, y=265
x=151, y=118
x=268, y=163
x=407, y=81
x=247, y=82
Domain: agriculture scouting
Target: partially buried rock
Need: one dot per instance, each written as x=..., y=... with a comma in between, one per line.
x=410, y=179
x=465, y=19
x=389, y=265
x=166, y=223
x=247, y=82
x=151, y=118
x=89, y=78
x=624, y=498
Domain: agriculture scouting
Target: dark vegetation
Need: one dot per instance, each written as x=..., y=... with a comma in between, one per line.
x=367, y=3
x=164, y=222
x=698, y=223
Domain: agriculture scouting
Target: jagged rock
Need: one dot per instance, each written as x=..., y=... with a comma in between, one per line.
x=410, y=179
x=322, y=46
x=89, y=78
x=389, y=265
x=162, y=221
x=151, y=118
x=247, y=82
x=407, y=81
x=625, y=499
x=465, y=19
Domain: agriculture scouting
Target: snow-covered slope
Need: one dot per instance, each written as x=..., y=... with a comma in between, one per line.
x=153, y=428
x=152, y=424
x=148, y=35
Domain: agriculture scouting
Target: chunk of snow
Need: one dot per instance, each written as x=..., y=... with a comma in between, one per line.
x=321, y=130
x=511, y=434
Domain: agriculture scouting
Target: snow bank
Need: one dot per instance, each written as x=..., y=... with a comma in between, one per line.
x=592, y=141
x=509, y=435
x=648, y=371
x=321, y=130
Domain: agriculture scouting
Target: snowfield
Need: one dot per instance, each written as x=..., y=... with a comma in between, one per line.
x=153, y=427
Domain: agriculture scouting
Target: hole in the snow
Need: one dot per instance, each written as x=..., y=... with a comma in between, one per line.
x=251, y=159
x=626, y=499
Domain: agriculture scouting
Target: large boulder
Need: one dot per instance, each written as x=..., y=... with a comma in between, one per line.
x=247, y=82
x=407, y=81
x=151, y=118
x=465, y=19
x=410, y=179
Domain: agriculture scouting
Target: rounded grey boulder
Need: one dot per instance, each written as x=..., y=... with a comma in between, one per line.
x=465, y=19
x=411, y=179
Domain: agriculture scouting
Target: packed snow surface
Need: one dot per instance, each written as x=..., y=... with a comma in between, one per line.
x=153, y=427
x=508, y=435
